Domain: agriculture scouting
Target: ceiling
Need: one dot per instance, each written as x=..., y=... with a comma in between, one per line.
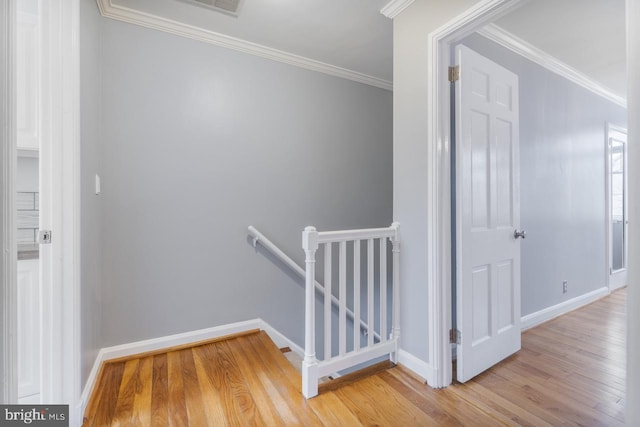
x=587, y=35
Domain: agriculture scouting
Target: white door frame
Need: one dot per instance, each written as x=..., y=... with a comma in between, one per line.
x=614, y=283
x=8, y=259
x=439, y=190
x=632, y=415
x=61, y=316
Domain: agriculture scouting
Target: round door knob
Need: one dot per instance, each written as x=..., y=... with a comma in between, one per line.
x=519, y=234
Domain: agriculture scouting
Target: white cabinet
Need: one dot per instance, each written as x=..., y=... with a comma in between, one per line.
x=28, y=331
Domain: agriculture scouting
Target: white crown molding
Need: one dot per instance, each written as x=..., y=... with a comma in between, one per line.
x=395, y=7
x=121, y=13
x=532, y=53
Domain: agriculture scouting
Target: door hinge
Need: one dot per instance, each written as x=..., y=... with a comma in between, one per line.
x=454, y=74
x=44, y=237
x=454, y=336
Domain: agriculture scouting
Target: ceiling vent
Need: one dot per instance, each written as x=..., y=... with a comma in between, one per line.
x=228, y=7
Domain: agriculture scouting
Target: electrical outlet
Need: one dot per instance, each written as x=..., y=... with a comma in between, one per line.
x=564, y=286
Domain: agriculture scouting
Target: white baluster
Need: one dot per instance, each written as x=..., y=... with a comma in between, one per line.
x=310, y=363
x=370, y=317
x=328, y=258
x=395, y=331
x=356, y=295
x=342, y=297
x=383, y=290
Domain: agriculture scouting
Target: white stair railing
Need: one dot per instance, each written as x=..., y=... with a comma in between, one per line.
x=258, y=237
x=312, y=240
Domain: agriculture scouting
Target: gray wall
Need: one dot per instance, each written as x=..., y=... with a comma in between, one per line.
x=91, y=227
x=562, y=179
x=198, y=142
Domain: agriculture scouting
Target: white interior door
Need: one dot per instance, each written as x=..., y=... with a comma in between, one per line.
x=488, y=214
x=29, y=107
x=57, y=100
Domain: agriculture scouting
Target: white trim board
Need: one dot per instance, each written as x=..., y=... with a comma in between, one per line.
x=395, y=7
x=280, y=340
x=121, y=13
x=8, y=277
x=416, y=365
x=534, y=319
x=60, y=193
x=123, y=350
x=537, y=56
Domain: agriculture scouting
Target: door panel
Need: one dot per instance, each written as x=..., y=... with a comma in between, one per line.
x=487, y=214
x=28, y=331
x=505, y=284
x=504, y=174
x=480, y=170
x=481, y=294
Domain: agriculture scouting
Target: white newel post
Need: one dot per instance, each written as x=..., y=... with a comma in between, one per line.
x=395, y=327
x=310, y=363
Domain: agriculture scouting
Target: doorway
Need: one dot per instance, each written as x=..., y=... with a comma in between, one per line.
x=439, y=151
x=441, y=48
x=41, y=132
x=617, y=220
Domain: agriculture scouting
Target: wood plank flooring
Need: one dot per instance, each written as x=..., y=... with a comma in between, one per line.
x=570, y=371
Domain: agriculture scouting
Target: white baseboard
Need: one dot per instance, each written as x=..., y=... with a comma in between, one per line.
x=160, y=343
x=280, y=340
x=408, y=360
x=76, y=414
x=534, y=319
x=426, y=370
x=418, y=366
x=616, y=287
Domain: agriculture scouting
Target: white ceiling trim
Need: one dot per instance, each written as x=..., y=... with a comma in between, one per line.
x=532, y=53
x=395, y=7
x=121, y=13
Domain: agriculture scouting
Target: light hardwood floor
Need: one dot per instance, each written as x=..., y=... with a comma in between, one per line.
x=570, y=371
